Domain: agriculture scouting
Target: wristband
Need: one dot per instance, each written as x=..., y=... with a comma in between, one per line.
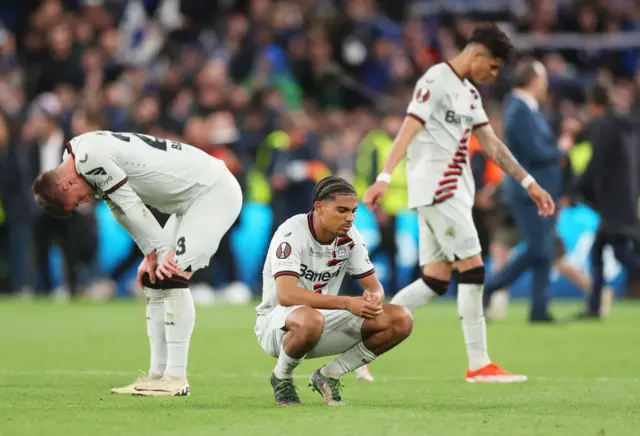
x=384, y=177
x=527, y=181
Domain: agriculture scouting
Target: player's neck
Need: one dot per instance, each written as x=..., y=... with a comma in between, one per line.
x=460, y=65
x=322, y=235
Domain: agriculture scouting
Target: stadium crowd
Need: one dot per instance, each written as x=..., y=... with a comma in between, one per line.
x=285, y=92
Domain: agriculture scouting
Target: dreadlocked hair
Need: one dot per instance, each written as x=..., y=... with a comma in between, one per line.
x=329, y=187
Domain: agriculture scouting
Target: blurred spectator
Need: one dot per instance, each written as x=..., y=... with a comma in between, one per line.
x=611, y=185
x=284, y=91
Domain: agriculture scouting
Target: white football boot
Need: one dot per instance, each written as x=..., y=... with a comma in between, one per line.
x=165, y=387
x=130, y=389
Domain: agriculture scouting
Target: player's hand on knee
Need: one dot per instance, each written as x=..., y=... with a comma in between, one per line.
x=372, y=298
x=362, y=308
x=168, y=267
x=148, y=266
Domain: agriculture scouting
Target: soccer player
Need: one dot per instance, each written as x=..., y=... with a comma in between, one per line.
x=301, y=315
x=445, y=110
x=130, y=171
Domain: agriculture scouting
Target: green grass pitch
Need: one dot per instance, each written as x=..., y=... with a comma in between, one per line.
x=59, y=361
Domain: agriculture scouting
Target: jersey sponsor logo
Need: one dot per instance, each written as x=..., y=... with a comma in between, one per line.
x=313, y=276
x=423, y=95
x=97, y=172
x=453, y=118
x=101, y=184
x=283, y=251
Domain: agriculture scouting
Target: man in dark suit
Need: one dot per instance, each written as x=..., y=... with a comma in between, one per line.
x=611, y=186
x=531, y=141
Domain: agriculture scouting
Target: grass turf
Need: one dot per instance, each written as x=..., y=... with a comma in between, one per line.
x=59, y=361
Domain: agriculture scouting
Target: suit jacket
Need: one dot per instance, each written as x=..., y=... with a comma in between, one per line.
x=532, y=142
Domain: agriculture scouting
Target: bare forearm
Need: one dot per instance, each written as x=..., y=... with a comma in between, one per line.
x=303, y=297
x=141, y=226
x=497, y=151
x=409, y=129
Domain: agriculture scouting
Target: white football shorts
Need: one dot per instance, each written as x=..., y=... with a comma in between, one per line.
x=197, y=233
x=342, y=330
x=446, y=233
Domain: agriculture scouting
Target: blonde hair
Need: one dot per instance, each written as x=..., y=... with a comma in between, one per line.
x=47, y=193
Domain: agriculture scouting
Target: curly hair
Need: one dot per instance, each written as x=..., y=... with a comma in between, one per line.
x=495, y=40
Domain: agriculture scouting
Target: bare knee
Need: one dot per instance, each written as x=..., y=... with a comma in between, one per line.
x=438, y=270
x=470, y=263
x=306, y=323
x=401, y=322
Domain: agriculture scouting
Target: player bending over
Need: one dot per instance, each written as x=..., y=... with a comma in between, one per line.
x=129, y=171
x=301, y=315
x=445, y=110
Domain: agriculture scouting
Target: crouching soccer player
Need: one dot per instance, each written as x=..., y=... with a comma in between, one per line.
x=301, y=315
x=130, y=171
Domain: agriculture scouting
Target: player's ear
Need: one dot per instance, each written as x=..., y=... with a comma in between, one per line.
x=318, y=207
x=66, y=184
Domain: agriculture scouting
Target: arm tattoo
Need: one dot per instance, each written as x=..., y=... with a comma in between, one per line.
x=497, y=151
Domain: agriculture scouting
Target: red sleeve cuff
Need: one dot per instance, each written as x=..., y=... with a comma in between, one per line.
x=417, y=118
x=286, y=273
x=116, y=186
x=364, y=274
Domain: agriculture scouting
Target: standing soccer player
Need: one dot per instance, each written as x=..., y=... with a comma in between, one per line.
x=445, y=110
x=301, y=315
x=130, y=171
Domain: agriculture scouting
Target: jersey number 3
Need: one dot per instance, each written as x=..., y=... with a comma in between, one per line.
x=152, y=141
x=180, y=246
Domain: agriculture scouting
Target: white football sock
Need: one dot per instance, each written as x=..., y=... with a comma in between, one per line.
x=350, y=360
x=179, y=321
x=155, y=331
x=414, y=295
x=473, y=324
x=286, y=365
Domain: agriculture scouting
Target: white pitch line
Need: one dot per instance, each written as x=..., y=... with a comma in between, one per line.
x=381, y=378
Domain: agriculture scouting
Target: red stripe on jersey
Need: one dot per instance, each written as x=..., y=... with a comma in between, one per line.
x=353, y=244
x=449, y=180
x=450, y=177
x=446, y=189
x=334, y=262
x=344, y=240
x=442, y=197
x=116, y=186
x=453, y=173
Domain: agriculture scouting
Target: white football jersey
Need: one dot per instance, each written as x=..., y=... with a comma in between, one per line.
x=165, y=174
x=438, y=167
x=319, y=268
x=130, y=171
